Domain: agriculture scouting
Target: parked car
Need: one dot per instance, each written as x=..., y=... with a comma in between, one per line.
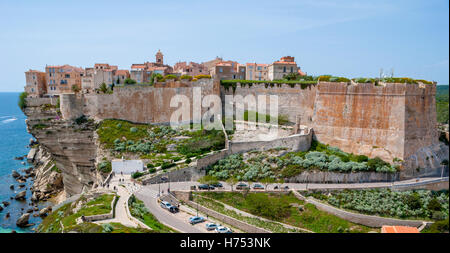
x=205, y=187
x=196, y=219
x=286, y=187
x=223, y=229
x=165, y=205
x=258, y=187
x=218, y=185
x=174, y=209
x=242, y=186
x=211, y=226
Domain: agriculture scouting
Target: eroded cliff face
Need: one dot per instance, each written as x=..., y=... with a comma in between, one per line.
x=70, y=145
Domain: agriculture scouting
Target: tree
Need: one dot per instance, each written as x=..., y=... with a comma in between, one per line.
x=292, y=76
x=75, y=88
x=22, y=100
x=129, y=81
x=103, y=88
x=232, y=181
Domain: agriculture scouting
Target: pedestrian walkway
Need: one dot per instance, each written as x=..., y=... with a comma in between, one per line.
x=124, y=188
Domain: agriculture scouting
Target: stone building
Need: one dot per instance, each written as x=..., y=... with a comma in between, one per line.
x=36, y=86
x=279, y=69
x=93, y=78
x=210, y=64
x=228, y=70
x=121, y=75
x=142, y=73
x=60, y=79
x=256, y=71
x=191, y=69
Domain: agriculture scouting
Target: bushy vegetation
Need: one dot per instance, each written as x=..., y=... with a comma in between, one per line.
x=438, y=227
x=254, y=117
x=159, y=145
x=129, y=81
x=139, y=211
x=201, y=142
x=284, y=208
x=258, y=166
x=202, y=77
x=329, y=78
x=422, y=204
x=22, y=100
x=442, y=103
x=233, y=83
x=186, y=77
x=104, y=167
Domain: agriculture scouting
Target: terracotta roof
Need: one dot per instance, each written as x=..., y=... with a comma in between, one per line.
x=223, y=64
x=138, y=66
x=399, y=229
x=301, y=72
x=122, y=72
x=67, y=68
x=285, y=62
x=33, y=71
x=258, y=64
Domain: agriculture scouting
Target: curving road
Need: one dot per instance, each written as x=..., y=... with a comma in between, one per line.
x=176, y=221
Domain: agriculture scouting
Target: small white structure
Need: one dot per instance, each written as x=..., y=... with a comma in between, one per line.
x=127, y=166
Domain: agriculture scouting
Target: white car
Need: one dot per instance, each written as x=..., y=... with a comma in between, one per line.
x=211, y=226
x=223, y=229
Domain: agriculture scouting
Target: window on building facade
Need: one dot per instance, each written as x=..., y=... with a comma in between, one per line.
x=67, y=75
x=259, y=68
x=284, y=69
x=292, y=69
x=220, y=70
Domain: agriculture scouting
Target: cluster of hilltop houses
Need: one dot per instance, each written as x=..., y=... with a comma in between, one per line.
x=64, y=79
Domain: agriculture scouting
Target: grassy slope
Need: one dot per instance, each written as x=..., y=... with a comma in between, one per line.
x=310, y=218
x=66, y=216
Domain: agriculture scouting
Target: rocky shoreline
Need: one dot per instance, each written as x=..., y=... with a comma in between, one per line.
x=46, y=183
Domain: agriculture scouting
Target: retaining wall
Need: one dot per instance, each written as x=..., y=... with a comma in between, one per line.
x=336, y=177
x=179, y=175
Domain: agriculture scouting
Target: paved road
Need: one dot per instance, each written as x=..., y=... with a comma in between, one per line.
x=177, y=221
x=296, y=186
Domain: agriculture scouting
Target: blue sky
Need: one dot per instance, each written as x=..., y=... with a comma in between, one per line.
x=346, y=37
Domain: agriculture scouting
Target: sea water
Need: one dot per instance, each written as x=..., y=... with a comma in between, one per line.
x=14, y=139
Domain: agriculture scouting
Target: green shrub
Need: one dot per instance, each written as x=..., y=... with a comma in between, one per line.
x=137, y=174
x=129, y=81
x=186, y=77
x=202, y=77
x=152, y=170
x=149, y=165
x=105, y=167
x=167, y=165
x=168, y=77
x=22, y=100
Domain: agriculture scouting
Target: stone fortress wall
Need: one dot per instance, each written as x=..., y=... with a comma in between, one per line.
x=390, y=120
x=135, y=103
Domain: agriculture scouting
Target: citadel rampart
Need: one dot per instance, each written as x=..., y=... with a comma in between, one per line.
x=135, y=103
x=392, y=120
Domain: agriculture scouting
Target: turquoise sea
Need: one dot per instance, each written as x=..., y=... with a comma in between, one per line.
x=14, y=139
